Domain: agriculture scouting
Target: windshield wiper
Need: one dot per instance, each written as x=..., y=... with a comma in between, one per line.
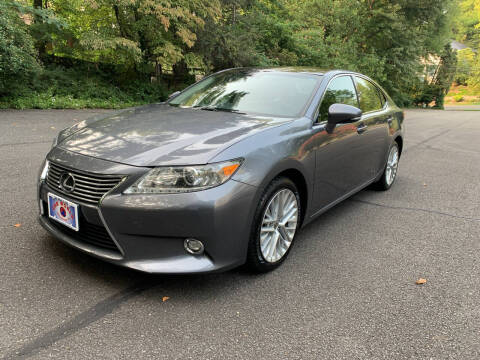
x=214, y=108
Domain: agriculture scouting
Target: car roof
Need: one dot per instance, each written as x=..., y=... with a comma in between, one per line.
x=314, y=71
x=303, y=69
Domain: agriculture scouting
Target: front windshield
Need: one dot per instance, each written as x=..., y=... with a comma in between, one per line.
x=271, y=93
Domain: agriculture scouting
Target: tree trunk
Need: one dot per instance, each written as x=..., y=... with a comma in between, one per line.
x=180, y=71
x=41, y=45
x=141, y=37
x=119, y=22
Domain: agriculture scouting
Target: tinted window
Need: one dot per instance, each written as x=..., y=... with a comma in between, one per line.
x=368, y=95
x=252, y=91
x=340, y=91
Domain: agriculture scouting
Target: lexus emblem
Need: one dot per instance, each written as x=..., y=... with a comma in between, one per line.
x=67, y=182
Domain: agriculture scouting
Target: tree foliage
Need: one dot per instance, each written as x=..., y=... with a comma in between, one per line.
x=169, y=40
x=467, y=28
x=468, y=23
x=18, y=57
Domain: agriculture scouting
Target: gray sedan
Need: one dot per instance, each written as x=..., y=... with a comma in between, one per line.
x=223, y=173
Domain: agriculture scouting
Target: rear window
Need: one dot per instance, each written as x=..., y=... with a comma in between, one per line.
x=368, y=95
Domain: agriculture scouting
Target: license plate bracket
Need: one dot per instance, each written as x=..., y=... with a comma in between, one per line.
x=63, y=211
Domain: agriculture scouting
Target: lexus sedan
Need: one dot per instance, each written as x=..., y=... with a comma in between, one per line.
x=223, y=173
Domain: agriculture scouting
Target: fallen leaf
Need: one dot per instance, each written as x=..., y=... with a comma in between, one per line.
x=424, y=184
x=421, y=281
x=52, y=127
x=165, y=298
x=17, y=225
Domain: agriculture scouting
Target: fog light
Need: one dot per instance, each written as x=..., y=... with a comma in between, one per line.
x=193, y=246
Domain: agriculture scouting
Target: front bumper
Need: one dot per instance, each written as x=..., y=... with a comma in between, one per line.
x=149, y=230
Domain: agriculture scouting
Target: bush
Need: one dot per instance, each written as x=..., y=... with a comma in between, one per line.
x=18, y=57
x=458, y=98
x=59, y=87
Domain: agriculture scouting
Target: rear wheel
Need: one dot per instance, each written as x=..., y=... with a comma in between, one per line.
x=275, y=225
x=391, y=168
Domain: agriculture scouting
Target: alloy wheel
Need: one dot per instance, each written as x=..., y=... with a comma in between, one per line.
x=392, y=165
x=279, y=224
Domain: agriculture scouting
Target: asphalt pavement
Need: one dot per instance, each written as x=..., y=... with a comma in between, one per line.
x=347, y=290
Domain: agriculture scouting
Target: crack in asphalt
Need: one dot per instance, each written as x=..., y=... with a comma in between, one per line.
x=415, y=209
x=82, y=320
x=426, y=140
x=413, y=146
x=457, y=150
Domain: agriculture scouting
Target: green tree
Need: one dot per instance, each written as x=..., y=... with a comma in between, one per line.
x=467, y=29
x=444, y=76
x=144, y=40
x=465, y=66
x=18, y=56
x=385, y=39
x=467, y=24
x=147, y=34
x=248, y=33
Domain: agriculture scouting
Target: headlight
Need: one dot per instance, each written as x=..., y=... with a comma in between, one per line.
x=184, y=179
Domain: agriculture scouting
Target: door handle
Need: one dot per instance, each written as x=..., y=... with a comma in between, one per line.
x=361, y=128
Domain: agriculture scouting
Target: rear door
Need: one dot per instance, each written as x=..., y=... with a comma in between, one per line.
x=373, y=125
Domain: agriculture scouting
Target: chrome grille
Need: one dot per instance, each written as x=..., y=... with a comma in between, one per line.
x=89, y=188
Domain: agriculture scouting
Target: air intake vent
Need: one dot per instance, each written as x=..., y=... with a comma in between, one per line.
x=89, y=233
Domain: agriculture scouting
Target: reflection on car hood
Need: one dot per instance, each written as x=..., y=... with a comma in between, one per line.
x=160, y=134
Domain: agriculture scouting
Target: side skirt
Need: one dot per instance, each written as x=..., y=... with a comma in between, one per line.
x=339, y=200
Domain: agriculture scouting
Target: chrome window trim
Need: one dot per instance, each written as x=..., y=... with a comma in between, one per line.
x=317, y=111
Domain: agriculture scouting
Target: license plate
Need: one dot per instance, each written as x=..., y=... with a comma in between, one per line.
x=63, y=211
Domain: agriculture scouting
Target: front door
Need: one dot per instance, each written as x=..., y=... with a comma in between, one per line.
x=340, y=156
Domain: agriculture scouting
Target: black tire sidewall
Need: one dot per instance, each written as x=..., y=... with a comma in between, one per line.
x=255, y=259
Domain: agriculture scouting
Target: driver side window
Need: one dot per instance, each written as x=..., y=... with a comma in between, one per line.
x=341, y=90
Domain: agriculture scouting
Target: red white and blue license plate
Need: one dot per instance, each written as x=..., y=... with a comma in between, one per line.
x=63, y=211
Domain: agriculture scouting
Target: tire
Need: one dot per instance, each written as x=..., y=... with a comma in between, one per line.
x=386, y=181
x=272, y=236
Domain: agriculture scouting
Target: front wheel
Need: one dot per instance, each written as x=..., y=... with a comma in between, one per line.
x=391, y=168
x=275, y=224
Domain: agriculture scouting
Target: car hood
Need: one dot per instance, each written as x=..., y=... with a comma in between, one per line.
x=161, y=134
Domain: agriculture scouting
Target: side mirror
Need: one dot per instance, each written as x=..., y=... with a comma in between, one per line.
x=341, y=113
x=174, y=94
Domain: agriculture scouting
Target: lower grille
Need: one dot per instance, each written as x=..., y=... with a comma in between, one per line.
x=89, y=233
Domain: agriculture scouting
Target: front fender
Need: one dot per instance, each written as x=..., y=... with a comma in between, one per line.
x=273, y=151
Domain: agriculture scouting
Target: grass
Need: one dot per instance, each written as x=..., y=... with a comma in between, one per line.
x=463, y=95
x=46, y=100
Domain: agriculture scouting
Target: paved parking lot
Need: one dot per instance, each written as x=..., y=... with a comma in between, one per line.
x=347, y=290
